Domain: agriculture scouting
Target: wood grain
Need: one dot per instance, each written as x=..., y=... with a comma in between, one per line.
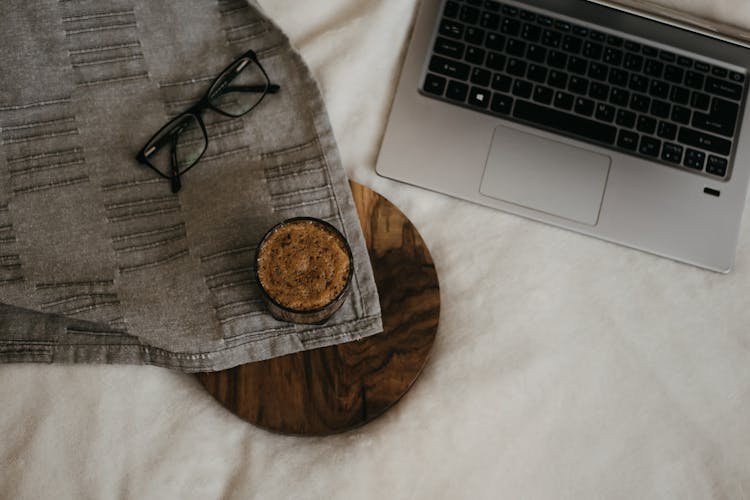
x=334, y=389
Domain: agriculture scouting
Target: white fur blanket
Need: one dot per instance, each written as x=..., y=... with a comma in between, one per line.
x=564, y=367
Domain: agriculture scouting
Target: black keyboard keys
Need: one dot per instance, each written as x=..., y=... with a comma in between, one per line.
x=565, y=123
x=721, y=118
x=587, y=84
x=672, y=153
x=717, y=166
x=649, y=146
x=479, y=97
x=501, y=104
x=447, y=67
x=627, y=140
x=694, y=159
x=457, y=91
x=434, y=84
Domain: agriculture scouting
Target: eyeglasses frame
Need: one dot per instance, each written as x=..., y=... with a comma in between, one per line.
x=196, y=111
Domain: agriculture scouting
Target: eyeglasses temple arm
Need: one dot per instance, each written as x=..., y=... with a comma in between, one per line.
x=271, y=89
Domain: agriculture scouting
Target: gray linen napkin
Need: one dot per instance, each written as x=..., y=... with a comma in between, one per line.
x=99, y=261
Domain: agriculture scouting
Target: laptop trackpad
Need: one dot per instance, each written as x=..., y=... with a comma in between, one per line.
x=545, y=175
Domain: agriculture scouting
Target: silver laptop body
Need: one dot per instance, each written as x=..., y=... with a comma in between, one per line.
x=523, y=162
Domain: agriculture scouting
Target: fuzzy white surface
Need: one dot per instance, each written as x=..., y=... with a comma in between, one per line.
x=564, y=367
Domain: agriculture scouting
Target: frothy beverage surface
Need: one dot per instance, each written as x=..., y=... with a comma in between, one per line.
x=303, y=265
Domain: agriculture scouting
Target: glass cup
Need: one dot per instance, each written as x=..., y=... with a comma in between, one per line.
x=304, y=268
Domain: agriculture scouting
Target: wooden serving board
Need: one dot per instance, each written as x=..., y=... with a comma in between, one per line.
x=337, y=388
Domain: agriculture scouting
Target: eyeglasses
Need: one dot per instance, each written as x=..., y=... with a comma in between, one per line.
x=180, y=144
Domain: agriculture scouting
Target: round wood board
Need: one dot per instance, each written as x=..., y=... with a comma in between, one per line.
x=334, y=389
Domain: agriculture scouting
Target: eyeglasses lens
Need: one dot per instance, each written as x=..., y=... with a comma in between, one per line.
x=184, y=138
x=239, y=89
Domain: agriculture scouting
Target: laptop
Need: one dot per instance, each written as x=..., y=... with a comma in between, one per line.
x=603, y=119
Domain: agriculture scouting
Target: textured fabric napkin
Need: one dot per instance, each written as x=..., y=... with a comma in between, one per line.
x=99, y=261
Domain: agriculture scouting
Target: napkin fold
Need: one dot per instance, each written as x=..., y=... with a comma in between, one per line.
x=99, y=261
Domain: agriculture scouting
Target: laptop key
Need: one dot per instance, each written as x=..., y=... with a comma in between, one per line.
x=481, y=77
x=551, y=38
x=625, y=118
x=479, y=97
x=447, y=67
x=627, y=140
x=653, y=68
x=660, y=108
x=450, y=48
x=667, y=130
x=694, y=80
x=708, y=142
x=673, y=74
x=584, y=106
x=716, y=166
x=633, y=62
x=700, y=100
x=451, y=9
x=599, y=91
x=491, y=22
x=577, y=65
x=474, y=35
x=640, y=103
x=646, y=124
x=672, y=153
x=475, y=55
x=564, y=123
x=536, y=53
x=543, y=94
x=516, y=67
x=515, y=47
x=495, y=61
x=571, y=44
x=649, y=146
x=531, y=32
x=434, y=84
x=639, y=83
x=451, y=29
x=563, y=100
x=694, y=159
x=501, y=104
x=501, y=82
x=557, y=59
x=510, y=26
x=701, y=66
x=723, y=88
x=522, y=88
x=679, y=95
x=619, y=97
x=619, y=77
x=721, y=120
x=578, y=85
x=494, y=41
x=681, y=114
x=605, y=112
x=557, y=79
x=469, y=15
x=592, y=50
x=658, y=89
x=457, y=91
x=598, y=71
x=537, y=73
x=612, y=56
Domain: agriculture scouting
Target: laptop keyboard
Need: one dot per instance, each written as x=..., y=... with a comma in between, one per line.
x=586, y=84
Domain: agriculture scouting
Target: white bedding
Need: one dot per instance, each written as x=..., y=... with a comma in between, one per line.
x=564, y=367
